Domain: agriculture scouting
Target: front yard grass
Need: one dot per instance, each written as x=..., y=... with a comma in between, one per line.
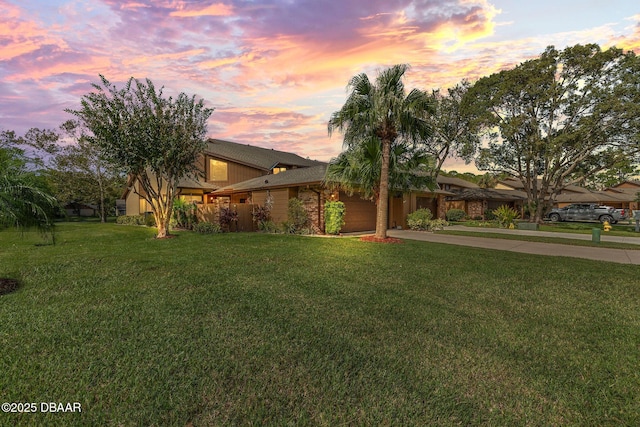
x=258, y=329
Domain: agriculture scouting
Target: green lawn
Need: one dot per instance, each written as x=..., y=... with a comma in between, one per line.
x=254, y=329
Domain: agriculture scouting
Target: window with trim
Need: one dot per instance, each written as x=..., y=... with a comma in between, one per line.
x=217, y=170
x=278, y=170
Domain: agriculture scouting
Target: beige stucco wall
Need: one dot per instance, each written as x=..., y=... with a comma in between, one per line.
x=133, y=202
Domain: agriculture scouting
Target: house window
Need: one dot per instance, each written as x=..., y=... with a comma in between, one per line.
x=278, y=170
x=217, y=170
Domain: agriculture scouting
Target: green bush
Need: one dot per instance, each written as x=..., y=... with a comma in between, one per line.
x=455, y=215
x=333, y=217
x=147, y=220
x=420, y=219
x=184, y=214
x=437, y=224
x=506, y=215
x=206, y=227
x=297, y=218
x=268, y=226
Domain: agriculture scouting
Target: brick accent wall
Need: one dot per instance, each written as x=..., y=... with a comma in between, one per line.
x=313, y=200
x=475, y=208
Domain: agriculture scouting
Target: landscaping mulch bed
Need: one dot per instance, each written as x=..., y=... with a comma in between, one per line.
x=377, y=240
x=7, y=285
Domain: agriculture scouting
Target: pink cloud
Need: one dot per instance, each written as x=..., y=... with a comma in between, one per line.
x=187, y=10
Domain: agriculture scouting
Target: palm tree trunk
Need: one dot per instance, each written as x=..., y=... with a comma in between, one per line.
x=382, y=217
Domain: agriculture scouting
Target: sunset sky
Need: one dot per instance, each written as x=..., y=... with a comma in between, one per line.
x=275, y=70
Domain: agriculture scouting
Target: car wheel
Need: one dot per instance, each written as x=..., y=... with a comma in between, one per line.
x=554, y=217
x=606, y=218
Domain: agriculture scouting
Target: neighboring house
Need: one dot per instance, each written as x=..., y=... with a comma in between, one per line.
x=628, y=192
x=80, y=209
x=479, y=202
x=619, y=196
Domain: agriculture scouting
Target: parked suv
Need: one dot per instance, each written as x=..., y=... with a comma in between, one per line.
x=587, y=212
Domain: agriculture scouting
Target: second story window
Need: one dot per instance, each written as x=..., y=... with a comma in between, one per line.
x=217, y=170
x=278, y=170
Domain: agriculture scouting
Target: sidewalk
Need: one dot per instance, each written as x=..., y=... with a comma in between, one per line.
x=604, y=237
x=621, y=256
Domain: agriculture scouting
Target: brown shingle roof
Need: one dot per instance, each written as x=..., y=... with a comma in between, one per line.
x=489, y=194
x=593, y=197
x=289, y=178
x=257, y=157
x=458, y=182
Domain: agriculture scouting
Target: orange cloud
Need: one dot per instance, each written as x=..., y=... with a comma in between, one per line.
x=631, y=41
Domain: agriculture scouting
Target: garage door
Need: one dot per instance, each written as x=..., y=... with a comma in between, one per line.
x=360, y=214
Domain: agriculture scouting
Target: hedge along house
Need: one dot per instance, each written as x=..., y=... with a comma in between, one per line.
x=222, y=163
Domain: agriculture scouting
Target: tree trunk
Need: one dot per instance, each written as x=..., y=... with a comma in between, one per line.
x=382, y=216
x=163, y=226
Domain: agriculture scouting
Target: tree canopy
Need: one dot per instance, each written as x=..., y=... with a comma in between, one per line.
x=382, y=113
x=455, y=128
x=155, y=139
x=559, y=119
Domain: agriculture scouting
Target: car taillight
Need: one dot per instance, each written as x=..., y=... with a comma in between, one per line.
x=622, y=212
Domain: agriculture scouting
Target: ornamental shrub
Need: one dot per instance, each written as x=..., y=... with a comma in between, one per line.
x=261, y=215
x=184, y=214
x=227, y=218
x=206, y=227
x=437, y=224
x=420, y=219
x=268, y=226
x=455, y=215
x=333, y=217
x=143, y=219
x=506, y=215
x=297, y=217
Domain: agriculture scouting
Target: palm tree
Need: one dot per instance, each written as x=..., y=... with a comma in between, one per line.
x=24, y=200
x=358, y=169
x=382, y=112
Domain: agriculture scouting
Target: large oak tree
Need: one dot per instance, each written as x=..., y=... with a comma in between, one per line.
x=155, y=139
x=559, y=119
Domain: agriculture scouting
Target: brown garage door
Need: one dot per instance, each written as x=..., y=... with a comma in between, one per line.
x=360, y=214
